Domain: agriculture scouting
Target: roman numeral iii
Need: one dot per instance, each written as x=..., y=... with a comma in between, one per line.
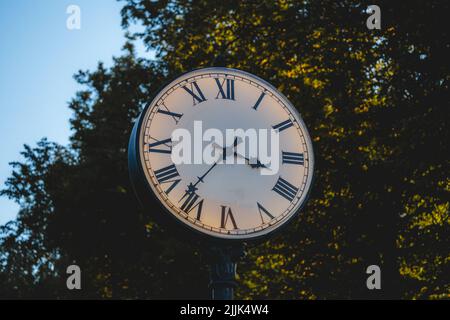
x=285, y=189
x=228, y=91
x=293, y=158
x=195, y=92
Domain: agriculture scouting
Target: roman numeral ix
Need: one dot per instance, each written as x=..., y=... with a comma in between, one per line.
x=160, y=146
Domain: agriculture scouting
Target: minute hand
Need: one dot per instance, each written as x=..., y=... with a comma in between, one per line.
x=191, y=188
x=200, y=179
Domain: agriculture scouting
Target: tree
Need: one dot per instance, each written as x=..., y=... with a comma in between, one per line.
x=373, y=101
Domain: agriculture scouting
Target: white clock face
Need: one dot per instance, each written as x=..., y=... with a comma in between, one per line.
x=223, y=200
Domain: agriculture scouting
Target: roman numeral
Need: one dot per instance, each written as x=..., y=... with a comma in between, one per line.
x=228, y=92
x=293, y=158
x=285, y=189
x=191, y=203
x=283, y=125
x=227, y=216
x=175, y=116
x=164, y=175
x=195, y=92
x=258, y=102
x=262, y=210
x=160, y=146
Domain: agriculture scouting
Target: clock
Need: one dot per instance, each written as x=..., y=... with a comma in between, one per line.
x=222, y=200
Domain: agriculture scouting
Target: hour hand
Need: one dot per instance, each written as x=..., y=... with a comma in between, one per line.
x=256, y=165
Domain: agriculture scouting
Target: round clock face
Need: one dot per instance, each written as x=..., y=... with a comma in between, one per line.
x=235, y=194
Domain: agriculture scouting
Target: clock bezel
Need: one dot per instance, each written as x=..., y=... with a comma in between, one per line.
x=142, y=183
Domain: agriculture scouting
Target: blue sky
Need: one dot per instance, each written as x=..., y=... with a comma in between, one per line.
x=38, y=56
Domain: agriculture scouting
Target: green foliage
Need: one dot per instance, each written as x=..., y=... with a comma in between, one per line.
x=374, y=102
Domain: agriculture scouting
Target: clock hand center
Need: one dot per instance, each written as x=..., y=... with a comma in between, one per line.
x=256, y=165
x=226, y=153
x=192, y=187
x=224, y=148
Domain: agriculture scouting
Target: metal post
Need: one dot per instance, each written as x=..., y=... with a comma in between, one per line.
x=223, y=271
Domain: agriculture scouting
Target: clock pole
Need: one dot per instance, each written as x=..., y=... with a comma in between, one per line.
x=223, y=267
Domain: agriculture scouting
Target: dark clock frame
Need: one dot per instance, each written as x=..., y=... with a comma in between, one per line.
x=150, y=202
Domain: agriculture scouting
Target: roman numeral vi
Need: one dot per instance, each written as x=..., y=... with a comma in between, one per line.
x=227, y=216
